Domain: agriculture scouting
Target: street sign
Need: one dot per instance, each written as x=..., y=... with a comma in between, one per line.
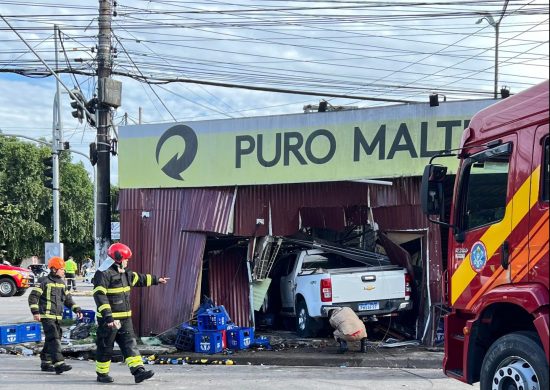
x=115, y=230
x=53, y=249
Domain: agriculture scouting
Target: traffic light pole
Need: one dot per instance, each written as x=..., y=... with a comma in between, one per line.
x=103, y=196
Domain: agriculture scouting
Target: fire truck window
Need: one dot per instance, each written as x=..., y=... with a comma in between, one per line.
x=486, y=192
x=546, y=171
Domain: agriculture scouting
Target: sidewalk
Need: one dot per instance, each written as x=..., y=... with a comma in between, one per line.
x=288, y=350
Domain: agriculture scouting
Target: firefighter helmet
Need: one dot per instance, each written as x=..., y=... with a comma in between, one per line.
x=119, y=252
x=56, y=262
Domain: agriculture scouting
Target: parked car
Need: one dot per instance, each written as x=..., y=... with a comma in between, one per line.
x=37, y=271
x=13, y=280
x=316, y=281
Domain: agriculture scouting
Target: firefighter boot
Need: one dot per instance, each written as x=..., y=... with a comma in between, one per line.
x=142, y=374
x=105, y=378
x=343, y=346
x=364, y=345
x=61, y=368
x=47, y=366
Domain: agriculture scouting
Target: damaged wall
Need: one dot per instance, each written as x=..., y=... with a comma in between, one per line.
x=172, y=238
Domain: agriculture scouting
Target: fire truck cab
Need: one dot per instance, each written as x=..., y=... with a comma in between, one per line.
x=498, y=272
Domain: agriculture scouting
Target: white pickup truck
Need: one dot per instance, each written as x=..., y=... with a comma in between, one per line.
x=316, y=282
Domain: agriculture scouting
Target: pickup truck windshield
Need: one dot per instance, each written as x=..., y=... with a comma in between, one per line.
x=329, y=261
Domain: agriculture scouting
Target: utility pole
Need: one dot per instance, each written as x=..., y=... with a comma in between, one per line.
x=56, y=142
x=103, y=198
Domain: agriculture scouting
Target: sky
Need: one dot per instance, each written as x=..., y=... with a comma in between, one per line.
x=168, y=53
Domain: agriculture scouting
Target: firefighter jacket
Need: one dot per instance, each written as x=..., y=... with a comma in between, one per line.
x=49, y=298
x=112, y=291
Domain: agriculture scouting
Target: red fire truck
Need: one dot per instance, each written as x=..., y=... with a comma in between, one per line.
x=498, y=272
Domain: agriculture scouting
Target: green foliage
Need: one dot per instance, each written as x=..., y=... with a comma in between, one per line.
x=26, y=205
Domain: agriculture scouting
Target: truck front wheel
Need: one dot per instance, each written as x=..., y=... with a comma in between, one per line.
x=513, y=362
x=306, y=326
x=7, y=287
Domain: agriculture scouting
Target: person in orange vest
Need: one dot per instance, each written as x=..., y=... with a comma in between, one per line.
x=46, y=302
x=112, y=284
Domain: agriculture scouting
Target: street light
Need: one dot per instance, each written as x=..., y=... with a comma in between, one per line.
x=496, y=25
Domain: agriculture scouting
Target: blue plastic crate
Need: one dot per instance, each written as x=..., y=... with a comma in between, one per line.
x=67, y=313
x=185, y=339
x=212, y=321
x=240, y=338
x=208, y=342
x=88, y=317
x=8, y=334
x=29, y=332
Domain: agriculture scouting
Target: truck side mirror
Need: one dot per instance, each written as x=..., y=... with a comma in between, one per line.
x=431, y=193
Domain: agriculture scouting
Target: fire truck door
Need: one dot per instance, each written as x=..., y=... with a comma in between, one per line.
x=538, y=217
x=484, y=216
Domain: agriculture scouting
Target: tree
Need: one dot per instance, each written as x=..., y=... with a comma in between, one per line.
x=26, y=205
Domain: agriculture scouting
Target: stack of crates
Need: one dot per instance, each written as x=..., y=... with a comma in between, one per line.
x=212, y=325
x=240, y=338
x=20, y=333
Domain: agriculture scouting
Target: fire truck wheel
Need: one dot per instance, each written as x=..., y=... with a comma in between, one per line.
x=7, y=287
x=513, y=362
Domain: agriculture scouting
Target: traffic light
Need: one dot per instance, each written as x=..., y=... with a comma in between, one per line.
x=48, y=172
x=77, y=103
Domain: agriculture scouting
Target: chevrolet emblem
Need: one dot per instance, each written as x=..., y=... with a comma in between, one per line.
x=368, y=288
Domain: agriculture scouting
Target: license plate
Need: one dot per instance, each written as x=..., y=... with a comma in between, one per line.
x=369, y=306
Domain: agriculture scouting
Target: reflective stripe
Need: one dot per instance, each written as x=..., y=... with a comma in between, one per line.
x=103, y=307
x=35, y=306
x=37, y=289
x=58, y=285
x=118, y=290
x=135, y=279
x=134, y=361
x=149, y=280
x=51, y=316
x=59, y=363
x=102, y=367
x=48, y=297
x=122, y=314
x=99, y=289
x=119, y=314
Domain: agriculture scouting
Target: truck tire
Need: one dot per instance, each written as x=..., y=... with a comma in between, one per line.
x=515, y=361
x=306, y=326
x=7, y=287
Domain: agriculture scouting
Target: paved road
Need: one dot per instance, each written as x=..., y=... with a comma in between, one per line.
x=22, y=371
x=16, y=309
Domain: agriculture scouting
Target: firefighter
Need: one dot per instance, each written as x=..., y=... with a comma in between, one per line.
x=46, y=302
x=112, y=284
x=348, y=327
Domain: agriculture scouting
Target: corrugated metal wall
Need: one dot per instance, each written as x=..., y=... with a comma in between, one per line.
x=166, y=230
x=228, y=281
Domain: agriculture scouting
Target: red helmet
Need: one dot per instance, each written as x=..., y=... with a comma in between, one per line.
x=119, y=252
x=56, y=262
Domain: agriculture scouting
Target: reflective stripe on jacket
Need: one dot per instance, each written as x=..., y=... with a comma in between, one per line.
x=112, y=291
x=49, y=298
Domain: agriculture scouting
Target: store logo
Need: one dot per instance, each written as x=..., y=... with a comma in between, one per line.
x=180, y=161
